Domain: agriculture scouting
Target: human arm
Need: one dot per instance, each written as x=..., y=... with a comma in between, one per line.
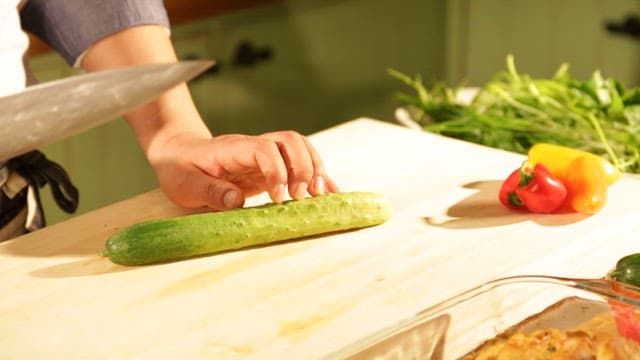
x=194, y=168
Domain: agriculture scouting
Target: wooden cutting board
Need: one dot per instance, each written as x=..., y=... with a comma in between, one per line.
x=302, y=299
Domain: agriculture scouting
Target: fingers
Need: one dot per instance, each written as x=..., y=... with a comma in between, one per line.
x=299, y=165
x=305, y=170
x=321, y=182
x=272, y=167
x=270, y=162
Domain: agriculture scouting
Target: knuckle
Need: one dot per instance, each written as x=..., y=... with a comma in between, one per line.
x=266, y=146
x=291, y=135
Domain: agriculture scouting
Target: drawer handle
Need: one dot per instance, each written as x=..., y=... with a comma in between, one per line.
x=248, y=54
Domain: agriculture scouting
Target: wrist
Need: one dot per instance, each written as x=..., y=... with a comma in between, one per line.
x=173, y=143
x=170, y=115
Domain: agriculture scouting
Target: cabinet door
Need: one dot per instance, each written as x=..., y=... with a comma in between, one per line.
x=541, y=35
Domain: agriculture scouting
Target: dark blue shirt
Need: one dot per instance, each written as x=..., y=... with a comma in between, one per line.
x=71, y=26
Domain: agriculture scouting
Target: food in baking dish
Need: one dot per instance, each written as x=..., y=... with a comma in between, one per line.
x=595, y=339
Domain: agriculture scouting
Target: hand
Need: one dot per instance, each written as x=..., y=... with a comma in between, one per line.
x=220, y=172
x=194, y=169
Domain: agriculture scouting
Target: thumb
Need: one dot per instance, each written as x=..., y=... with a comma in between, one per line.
x=201, y=189
x=219, y=194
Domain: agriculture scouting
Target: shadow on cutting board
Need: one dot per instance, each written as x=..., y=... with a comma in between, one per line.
x=87, y=267
x=98, y=265
x=482, y=210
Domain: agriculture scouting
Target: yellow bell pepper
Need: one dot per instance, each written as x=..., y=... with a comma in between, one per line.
x=586, y=184
x=557, y=159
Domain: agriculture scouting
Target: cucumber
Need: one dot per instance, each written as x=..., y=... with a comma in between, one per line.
x=183, y=237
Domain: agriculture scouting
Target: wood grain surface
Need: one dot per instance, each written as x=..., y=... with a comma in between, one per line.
x=302, y=299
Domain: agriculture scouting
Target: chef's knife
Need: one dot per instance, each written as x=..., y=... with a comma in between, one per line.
x=51, y=111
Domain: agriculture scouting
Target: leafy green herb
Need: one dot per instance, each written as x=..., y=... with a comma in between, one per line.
x=514, y=111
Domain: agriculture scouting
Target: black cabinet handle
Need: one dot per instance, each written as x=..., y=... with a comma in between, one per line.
x=248, y=54
x=630, y=26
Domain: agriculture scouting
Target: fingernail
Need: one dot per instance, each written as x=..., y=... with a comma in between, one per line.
x=319, y=185
x=230, y=199
x=279, y=194
x=300, y=190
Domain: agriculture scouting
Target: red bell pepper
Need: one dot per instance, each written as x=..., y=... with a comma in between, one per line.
x=534, y=189
x=627, y=320
x=507, y=193
x=627, y=283
x=627, y=316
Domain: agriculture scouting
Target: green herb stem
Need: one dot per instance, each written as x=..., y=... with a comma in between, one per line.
x=514, y=111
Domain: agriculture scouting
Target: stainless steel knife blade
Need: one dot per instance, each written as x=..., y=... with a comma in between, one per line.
x=48, y=112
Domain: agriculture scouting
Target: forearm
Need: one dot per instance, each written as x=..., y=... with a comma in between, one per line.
x=170, y=114
x=193, y=168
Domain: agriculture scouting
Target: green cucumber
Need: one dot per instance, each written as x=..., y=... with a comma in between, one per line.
x=183, y=237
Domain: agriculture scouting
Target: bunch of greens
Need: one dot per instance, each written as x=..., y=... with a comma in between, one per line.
x=513, y=111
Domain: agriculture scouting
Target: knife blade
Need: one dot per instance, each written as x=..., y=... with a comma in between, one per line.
x=51, y=111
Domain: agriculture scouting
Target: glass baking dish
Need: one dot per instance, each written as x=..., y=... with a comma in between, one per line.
x=458, y=327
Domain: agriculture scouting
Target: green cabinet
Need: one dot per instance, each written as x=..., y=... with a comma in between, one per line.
x=328, y=64
x=541, y=34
